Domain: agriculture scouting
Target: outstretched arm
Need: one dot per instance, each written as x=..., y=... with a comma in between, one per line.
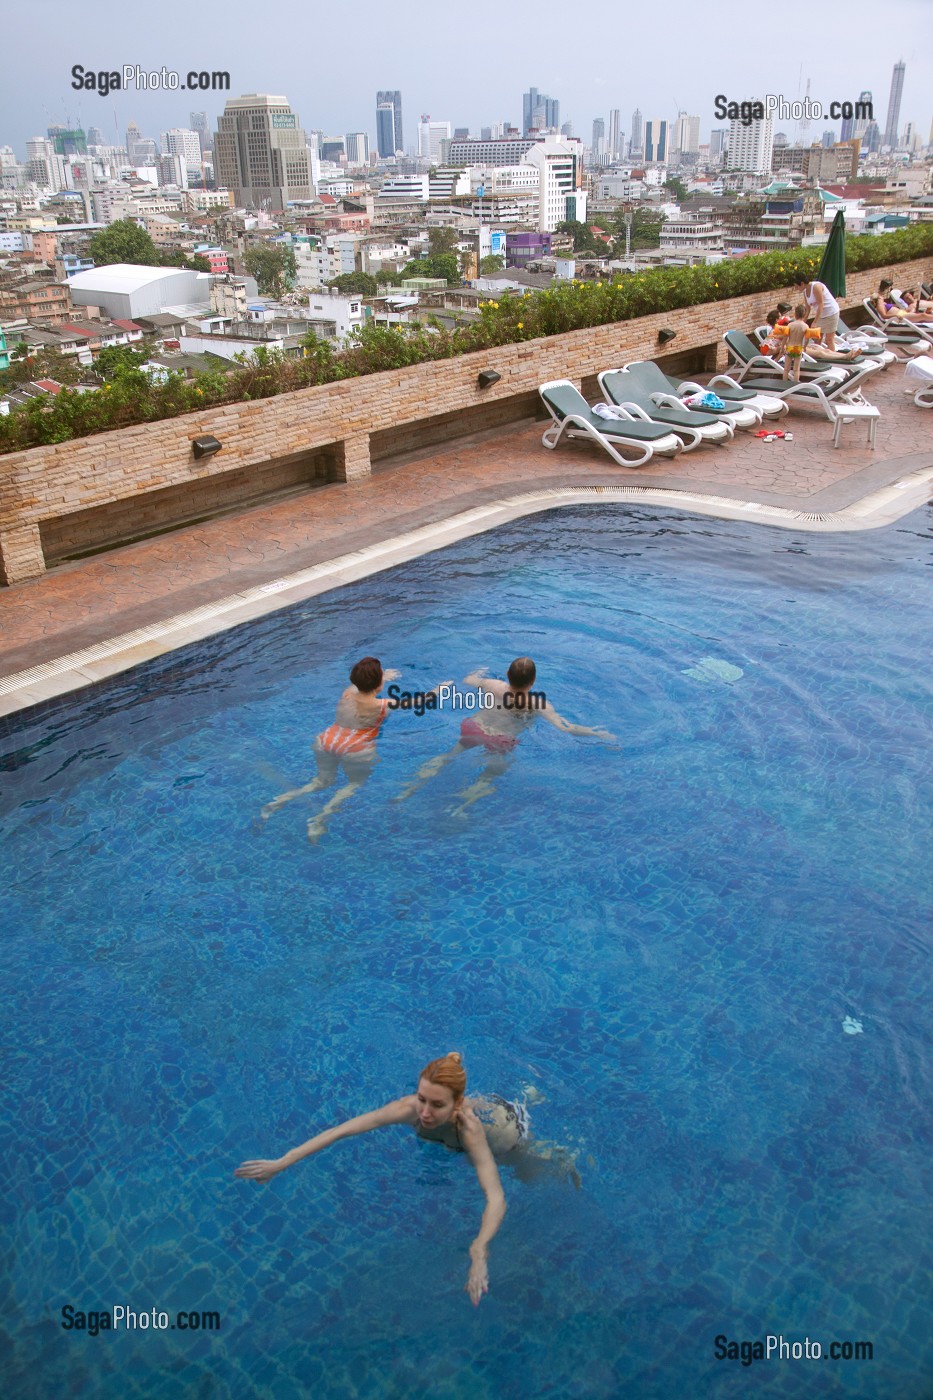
x=474, y=1140
x=399, y=1111
x=566, y=727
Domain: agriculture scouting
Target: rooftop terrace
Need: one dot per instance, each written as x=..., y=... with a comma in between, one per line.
x=60, y=628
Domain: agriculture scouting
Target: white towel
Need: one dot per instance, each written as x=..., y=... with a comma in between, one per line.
x=608, y=410
x=921, y=368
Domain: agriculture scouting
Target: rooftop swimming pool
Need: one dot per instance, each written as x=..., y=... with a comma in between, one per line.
x=703, y=956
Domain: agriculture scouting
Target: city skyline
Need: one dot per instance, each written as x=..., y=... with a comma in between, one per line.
x=583, y=79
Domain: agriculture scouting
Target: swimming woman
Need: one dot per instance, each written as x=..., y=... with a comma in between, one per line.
x=350, y=743
x=498, y=728
x=483, y=1128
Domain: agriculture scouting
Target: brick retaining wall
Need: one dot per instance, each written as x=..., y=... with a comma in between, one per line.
x=75, y=495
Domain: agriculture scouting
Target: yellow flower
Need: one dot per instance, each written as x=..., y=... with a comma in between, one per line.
x=715, y=284
x=199, y=391
x=521, y=325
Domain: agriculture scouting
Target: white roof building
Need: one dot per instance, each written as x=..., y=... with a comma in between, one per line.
x=126, y=291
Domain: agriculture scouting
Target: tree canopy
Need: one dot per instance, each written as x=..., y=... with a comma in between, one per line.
x=443, y=265
x=675, y=186
x=493, y=262
x=273, y=266
x=360, y=282
x=124, y=241
x=442, y=240
x=584, y=239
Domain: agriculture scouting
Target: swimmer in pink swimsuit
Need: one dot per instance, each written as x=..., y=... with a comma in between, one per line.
x=497, y=729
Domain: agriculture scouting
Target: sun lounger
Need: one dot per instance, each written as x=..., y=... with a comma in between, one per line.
x=921, y=371
x=810, y=361
x=630, y=389
x=748, y=359
x=899, y=326
x=727, y=388
x=870, y=338
x=663, y=390
x=837, y=385
x=573, y=418
x=845, y=378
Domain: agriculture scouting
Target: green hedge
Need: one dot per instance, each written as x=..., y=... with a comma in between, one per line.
x=131, y=398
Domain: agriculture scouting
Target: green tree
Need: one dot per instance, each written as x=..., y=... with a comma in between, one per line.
x=495, y=262
x=176, y=258
x=676, y=187
x=273, y=266
x=442, y=240
x=584, y=239
x=645, y=231
x=359, y=282
x=123, y=242
x=115, y=360
x=441, y=265
x=41, y=364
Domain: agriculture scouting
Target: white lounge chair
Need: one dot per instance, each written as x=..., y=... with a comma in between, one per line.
x=573, y=418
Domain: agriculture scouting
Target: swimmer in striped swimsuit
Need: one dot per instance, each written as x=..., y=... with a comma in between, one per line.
x=350, y=743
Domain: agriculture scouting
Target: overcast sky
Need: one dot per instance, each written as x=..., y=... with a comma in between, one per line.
x=467, y=64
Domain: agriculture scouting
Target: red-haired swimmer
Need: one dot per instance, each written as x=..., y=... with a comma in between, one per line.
x=484, y=1128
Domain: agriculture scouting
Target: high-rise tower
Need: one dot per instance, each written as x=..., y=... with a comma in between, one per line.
x=894, y=105
x=261, y=152
x=389, y=136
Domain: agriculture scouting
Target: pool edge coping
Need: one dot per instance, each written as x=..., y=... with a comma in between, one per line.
x=76, y=670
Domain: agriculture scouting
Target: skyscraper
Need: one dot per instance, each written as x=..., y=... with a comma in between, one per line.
x=614, y=151
x=430, y=136
x=392, y=98
x=95, y=137
x=894, y=105
x=199, y=124
x=181, y=142
x=261, y=152
x=656, y=141
x=67, y=141
x=866, y=107
x=356, y=144
x=685, y=135
x=635, y=145
x=751, y=147
x=539, y=111
x=599, y=136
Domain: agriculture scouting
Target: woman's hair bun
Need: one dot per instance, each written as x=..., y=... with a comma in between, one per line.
x=455, y=1055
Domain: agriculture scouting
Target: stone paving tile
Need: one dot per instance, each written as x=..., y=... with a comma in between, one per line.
x=91, y=600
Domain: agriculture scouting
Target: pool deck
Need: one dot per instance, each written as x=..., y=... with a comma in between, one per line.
x=57, y=632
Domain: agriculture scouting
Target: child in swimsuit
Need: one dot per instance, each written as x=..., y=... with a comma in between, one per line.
x=350, y=743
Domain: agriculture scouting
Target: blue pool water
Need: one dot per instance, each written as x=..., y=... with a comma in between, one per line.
x=662, y=940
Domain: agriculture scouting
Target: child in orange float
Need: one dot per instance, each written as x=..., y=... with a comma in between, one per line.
x=797, y=335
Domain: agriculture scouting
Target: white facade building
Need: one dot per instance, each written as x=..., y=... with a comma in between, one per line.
x=559, y=163
x=186, y=144
x=403, y=189
x=751, y=147
x=356, y=145
x=125, y=291
x=685, y=135
x=430, y=136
